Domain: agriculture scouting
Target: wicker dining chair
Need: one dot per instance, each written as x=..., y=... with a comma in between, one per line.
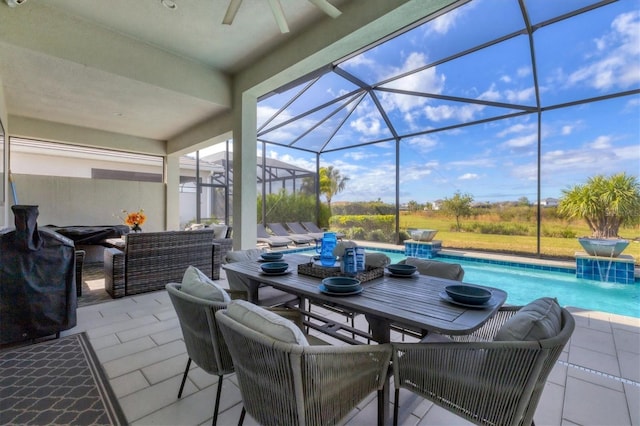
x=202, y=337
x=480, y=379
x=295, y=384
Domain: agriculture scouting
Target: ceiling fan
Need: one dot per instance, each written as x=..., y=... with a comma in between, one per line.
x=278, y=13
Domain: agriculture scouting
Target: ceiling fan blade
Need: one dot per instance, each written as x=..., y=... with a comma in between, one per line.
x=278, y=14
x=326, y=7
x=231, y=12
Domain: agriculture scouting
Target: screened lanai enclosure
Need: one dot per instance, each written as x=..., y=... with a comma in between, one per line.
x=507, y=101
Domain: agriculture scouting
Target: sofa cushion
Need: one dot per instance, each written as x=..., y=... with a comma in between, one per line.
x=242, y=255
x=219, y=231
x=196, y=283
x=540, y=319
x=266, y=322
x=434, y=268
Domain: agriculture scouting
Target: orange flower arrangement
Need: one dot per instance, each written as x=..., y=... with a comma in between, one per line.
x=135, y=219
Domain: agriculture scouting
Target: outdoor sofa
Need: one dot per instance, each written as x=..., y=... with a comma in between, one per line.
x=150, y=260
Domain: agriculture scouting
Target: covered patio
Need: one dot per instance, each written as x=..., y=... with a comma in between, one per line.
x=138, y=340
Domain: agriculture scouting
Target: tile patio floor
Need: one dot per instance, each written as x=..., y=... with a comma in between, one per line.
x=139, y=343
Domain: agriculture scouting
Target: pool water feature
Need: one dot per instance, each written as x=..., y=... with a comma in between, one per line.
x=524, y=285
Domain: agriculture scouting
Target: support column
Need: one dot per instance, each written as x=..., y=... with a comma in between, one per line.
x=244, y=172
x=172, y=195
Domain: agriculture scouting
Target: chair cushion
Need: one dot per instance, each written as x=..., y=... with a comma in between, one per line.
x=219, y=231
x=376, y=260
x=242, y=255
x=434, y=268
x=196, y=283
x=266, y=322
x=342, y=245
x=540, y=319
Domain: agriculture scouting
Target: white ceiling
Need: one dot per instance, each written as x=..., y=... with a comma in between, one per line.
x=87, y=63
x=137, y=69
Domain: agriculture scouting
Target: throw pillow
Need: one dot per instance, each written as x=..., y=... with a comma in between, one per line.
x=266, y=322
x=219, y=231
x=434, y=268
x=197, y=284
x=339, y=248
x=376, y=260
x=242, y=255
x=540, y=319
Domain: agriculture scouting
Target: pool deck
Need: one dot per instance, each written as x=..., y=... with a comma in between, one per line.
x=139, y=344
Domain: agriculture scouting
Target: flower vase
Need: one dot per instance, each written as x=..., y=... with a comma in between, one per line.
x=136, y=228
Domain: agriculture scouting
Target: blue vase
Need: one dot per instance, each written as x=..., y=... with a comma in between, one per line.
x=325, y=249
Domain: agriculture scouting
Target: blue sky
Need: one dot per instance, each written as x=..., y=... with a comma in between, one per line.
x=590, y=55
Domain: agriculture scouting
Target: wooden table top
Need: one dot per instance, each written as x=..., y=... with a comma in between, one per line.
x=414, y=301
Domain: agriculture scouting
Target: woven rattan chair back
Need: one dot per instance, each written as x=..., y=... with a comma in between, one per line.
x=481, y=380
x=289, y=384
x=202, y=337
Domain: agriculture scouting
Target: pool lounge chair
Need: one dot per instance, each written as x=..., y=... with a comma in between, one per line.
x=297, y=228
x=272, y=240
x=279, y=230
x=312, y=227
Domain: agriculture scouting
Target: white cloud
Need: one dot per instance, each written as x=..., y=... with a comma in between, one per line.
x=601, y=142
x=566, y=130
x=462, y=113
x=421, y=144
x=468, y=176
x=520, y=96
x=425, y=81
x=491, y=94
x=615, y=58
x=518, y=128
x=368, y=126
x=443, y=24
x=522, y=141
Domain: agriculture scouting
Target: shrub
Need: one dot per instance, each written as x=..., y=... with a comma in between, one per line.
x=378, y=235
x=356, y=233
x=284, y=207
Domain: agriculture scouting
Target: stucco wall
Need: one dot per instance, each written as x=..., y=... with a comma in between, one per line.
x=66, y=201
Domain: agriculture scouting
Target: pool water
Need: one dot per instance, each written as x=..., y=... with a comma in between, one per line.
x=524, y=285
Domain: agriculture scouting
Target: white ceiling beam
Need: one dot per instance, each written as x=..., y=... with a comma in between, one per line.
x=51, y=32
x=326, y=7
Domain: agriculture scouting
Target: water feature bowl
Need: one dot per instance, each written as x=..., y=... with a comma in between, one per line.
x=423, y=234
x=603, y=247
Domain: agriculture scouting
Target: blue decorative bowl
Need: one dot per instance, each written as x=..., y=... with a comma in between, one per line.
x=341, y=284
x=274, y=267
x=271, y=257
x=468, y=294
x=401, y=269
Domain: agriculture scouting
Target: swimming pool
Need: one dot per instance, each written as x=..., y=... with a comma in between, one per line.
x=524, y=285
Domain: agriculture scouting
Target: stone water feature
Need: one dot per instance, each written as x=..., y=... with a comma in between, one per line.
x=602, y=261
x=422, y=244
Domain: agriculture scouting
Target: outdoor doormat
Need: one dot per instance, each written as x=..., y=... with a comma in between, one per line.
x=56, y=382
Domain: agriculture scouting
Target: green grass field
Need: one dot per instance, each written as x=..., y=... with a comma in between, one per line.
x=560, y=248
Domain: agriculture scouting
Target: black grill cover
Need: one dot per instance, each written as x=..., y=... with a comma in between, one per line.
x=37, y=280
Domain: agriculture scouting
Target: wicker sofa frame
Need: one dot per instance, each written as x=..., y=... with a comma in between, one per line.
x=150, y=260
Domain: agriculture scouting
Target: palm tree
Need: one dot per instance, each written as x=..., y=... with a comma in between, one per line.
x=331, y=183
x=605, y=203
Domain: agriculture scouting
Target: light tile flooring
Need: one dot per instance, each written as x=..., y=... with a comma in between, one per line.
x=139, y=343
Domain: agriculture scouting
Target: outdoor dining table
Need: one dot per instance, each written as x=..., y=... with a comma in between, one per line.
x=414, y=302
